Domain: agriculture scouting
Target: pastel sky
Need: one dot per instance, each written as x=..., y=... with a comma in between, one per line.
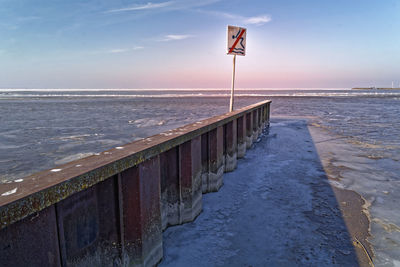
x=182, y=43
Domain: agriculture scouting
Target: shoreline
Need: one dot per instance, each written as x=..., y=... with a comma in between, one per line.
x=354, y=207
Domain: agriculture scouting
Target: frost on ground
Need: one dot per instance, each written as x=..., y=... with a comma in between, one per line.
x=276, y=209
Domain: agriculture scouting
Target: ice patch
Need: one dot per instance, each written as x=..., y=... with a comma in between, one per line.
x=18, y=180
x=336, y=184
x=73, y=157
x=9, y=192
x=147, y=122
x=76, y=137
x=55, y=170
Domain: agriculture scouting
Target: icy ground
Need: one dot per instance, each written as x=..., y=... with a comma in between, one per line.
x=276, y=209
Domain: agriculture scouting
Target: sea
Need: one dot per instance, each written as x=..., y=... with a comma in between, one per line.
x=43, y=128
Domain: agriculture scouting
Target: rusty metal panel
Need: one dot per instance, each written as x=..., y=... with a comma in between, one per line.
x=249, y=124
x=32, y=241
x=231, y=137
x=224, y=139
x=263, y=110
x=241, y=133
x=196, y=154
x=213, y=150
x=231, y=146
x=204, y=152
x=190, y=177
x=216, y=150
x=88, y=226
x=255, y=120
x=205, y=162
x=185, y=161
x=142, y=230
x=170, y=187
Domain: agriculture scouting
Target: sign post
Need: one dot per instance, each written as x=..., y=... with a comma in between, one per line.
x=236, y=46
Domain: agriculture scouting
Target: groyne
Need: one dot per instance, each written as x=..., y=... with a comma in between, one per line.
x=110, y=209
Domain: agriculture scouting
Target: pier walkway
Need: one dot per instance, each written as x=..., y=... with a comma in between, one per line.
x=277, y=208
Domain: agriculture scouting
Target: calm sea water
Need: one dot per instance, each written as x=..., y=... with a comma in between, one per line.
x=40, y=129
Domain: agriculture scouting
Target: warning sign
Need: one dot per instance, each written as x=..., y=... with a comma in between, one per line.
x=236, y=41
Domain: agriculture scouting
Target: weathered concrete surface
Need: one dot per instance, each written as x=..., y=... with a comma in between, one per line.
x=277, y=209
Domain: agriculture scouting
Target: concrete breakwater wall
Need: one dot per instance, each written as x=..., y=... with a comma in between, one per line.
x=110, y=209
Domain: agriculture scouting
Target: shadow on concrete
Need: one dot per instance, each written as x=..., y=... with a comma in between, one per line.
x=277, y=208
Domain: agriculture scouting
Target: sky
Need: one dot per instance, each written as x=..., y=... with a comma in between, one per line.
x=182, y=43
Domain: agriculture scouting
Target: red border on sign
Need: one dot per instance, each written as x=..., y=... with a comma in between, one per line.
x=237, y=40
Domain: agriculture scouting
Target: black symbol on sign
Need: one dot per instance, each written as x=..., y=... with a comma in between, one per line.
x=237, y=49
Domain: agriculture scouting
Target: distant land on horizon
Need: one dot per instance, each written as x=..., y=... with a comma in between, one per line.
x=377, y=88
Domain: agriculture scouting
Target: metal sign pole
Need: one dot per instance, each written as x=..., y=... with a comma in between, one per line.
x=233, y=84
x=236, y=46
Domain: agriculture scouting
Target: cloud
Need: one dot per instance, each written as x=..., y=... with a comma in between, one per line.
x=167, y=6
x=117, y=50
x=124, y=50
x=137, y=48
x=28, y=18
x=176, y=37
x=255, y=20
x=142, y=7
x=258, y=20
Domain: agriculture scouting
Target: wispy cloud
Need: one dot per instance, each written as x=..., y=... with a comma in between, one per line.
x=124, y=50
x=142, y=7
x=8, y=26
x=28, y=18
x=166, y=6
x=254, y=20
x=176, y=37
x=258, y=20
x=117, y=50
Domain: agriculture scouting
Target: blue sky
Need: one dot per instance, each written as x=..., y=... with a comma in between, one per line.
x=181, y=44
